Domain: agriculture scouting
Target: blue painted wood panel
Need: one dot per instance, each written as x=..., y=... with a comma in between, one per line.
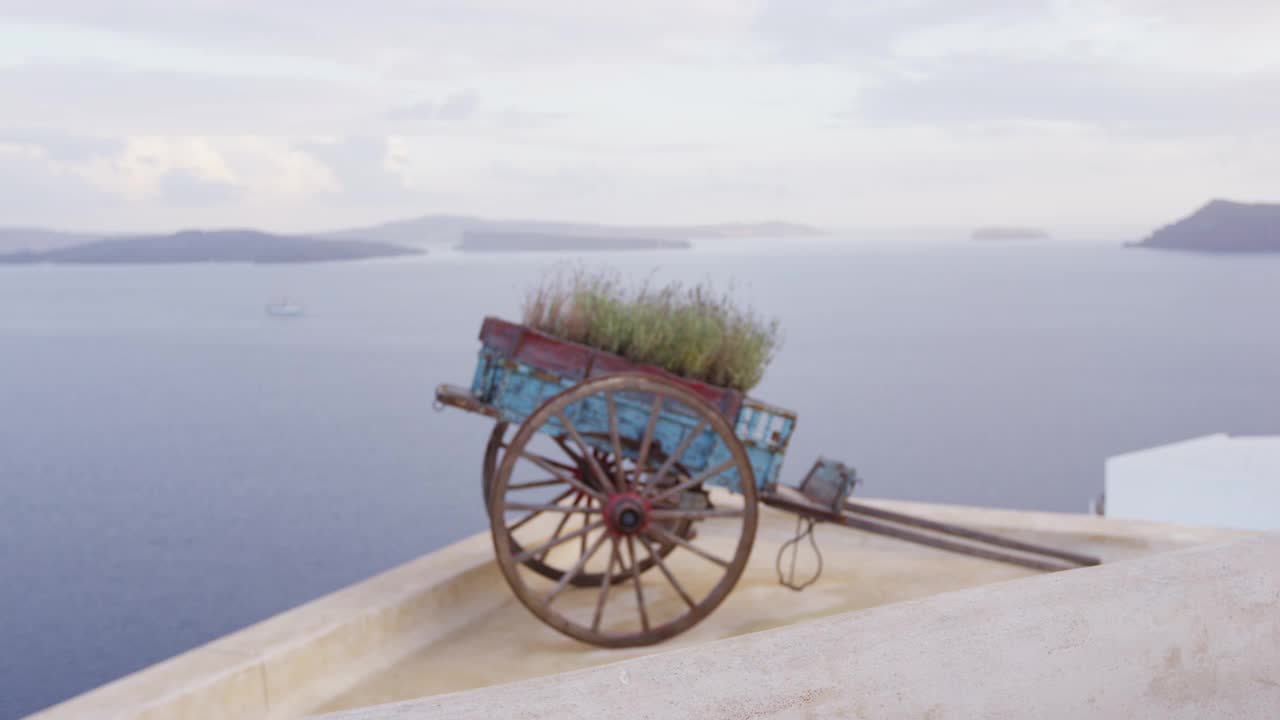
x=516, y=390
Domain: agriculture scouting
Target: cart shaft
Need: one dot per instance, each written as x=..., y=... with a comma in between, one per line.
x=931, y=533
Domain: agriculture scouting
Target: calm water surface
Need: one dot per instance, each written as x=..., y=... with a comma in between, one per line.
x=175, y=464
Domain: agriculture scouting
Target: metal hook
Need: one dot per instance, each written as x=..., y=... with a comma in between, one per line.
x=789, y=579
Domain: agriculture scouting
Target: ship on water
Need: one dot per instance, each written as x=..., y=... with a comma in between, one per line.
x=285, y=307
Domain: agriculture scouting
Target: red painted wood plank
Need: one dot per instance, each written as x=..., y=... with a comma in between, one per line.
x=571, y=360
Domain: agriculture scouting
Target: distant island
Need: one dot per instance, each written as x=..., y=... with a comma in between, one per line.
x=450, y=230
x=30, y=239
x=29, y=245
x=192, y=246
x=484, y=242
x=1221, y=226
x=1009, y=233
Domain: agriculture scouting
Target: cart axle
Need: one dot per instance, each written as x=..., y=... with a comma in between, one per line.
x=626, y=514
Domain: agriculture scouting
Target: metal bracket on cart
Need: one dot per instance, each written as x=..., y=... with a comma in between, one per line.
x=828, y=484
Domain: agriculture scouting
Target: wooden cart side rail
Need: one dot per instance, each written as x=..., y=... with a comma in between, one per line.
x=578, y=362
x=464, y=399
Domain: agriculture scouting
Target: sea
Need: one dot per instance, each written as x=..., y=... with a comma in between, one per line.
x=176, y=463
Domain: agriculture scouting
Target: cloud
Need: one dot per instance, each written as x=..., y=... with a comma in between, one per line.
x=61, y=146
x=184, y=187
x=136, y=180
x=366, y=169
x=466, y=112
x=836, y=111
x=426, y=36
x=456, y=107
x=107, y=100
x=516, y=119
x=821, y=31
x=33, y=189
x=1141, y=68
x=989, y=91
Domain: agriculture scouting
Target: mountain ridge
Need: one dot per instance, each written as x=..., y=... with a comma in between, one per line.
x=191, y=246
x=444, y=230
x=490, y=242
x=451, y=229
x=1221, y=226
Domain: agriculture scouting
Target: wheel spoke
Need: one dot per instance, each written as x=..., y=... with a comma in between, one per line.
x=582, y=445
x=606, y=581
x=536, y=513
x=657, y=559
x=533, y=552
x=647, y=440
x=560, y=527
x=677, y=514
x=572, y=572
x=557, y=464
x=562, y=466
x=619, y=484
x=535, y=484
x=635, y=577
x=693, y=481
x=677, y=540
x=575, y=482
x=680, y=450
x=559, y=439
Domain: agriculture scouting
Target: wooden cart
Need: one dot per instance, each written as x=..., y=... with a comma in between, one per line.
x=623, y=500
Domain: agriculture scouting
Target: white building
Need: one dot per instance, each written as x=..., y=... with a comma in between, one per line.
x=1216, y=480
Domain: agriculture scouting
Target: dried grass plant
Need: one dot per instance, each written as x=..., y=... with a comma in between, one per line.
x=693, y=331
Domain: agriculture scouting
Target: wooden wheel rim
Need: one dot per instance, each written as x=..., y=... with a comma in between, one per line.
x=644, y=634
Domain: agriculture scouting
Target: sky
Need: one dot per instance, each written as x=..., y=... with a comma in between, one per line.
x=299, y=115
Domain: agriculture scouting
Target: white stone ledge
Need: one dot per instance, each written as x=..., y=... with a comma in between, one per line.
x=401, y=634
x=1187, y=634
x=290, y=664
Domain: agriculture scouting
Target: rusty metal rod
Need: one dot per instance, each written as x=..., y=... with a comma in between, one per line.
x=882, y=528
x=963, y=532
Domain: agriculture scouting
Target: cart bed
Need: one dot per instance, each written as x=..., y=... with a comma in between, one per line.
x=519, y=368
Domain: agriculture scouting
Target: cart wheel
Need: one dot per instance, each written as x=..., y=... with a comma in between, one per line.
x=611, y=520
x=493, y=455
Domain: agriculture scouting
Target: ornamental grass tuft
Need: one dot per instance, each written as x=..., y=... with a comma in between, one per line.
x=690, y=330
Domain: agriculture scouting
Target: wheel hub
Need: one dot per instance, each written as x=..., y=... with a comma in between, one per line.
x=626, y=513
